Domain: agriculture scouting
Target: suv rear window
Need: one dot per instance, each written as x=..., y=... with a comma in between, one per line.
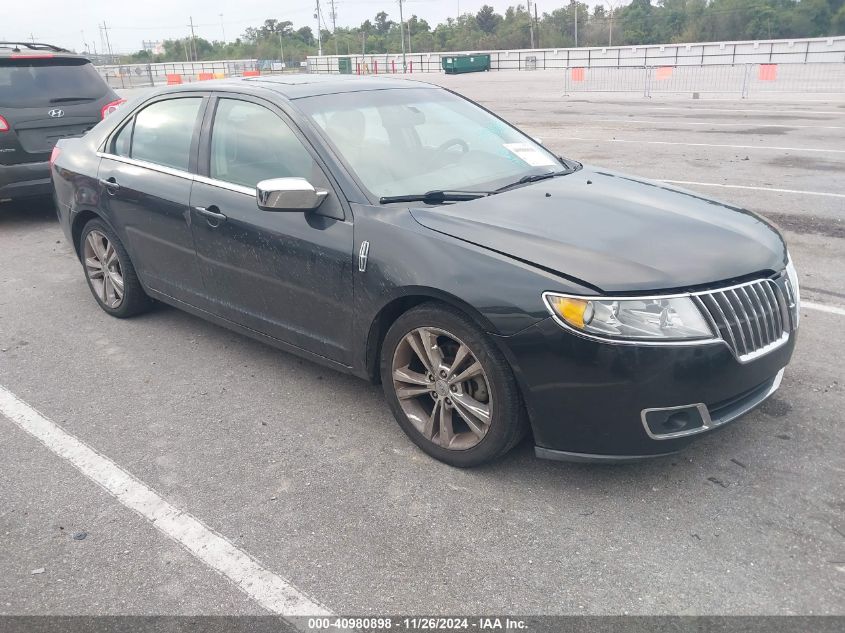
x=28, y=83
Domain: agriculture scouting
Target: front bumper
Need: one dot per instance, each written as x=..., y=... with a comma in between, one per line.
x=587, y=400
x=25, y=180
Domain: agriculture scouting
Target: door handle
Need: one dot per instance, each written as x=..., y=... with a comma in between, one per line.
x=212, y=215
x=110, y=185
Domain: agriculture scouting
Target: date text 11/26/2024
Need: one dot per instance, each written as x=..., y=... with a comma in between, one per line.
x=417, y=623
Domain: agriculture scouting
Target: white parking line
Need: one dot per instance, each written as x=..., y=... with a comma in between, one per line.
x=750, y=110
x=713, y=124
x=269, y=590
x=774, y=189
x=810, y=305
x=641, y=142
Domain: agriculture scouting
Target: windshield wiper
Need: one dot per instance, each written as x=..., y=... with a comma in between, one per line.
x=436, y=197
x=534, y=178
x=61, y=99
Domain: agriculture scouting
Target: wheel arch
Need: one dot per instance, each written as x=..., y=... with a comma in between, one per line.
x=409, y=298
x=79, y=221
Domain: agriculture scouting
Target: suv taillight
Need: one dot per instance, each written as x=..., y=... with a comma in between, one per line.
x=111, y=107
x=4, y=124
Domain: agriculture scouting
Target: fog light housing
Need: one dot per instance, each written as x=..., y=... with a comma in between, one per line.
x=664, y=423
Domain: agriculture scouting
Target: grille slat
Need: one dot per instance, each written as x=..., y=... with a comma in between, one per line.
x=769, y=310
x=773, y=301
x=742, y=319
x=752, y=315
x=749, y=317
x=766, y=316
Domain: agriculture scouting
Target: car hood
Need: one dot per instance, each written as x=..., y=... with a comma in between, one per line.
x=616, y=233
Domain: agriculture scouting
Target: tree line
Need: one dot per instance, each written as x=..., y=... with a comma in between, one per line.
x=635, y=23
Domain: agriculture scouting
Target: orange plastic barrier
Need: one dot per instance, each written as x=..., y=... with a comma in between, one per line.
x=252, y=73
x=205, y=76
x=174, y=79
x=768, y=72
x=578, y=74
x=664, y=72
x=219, y=75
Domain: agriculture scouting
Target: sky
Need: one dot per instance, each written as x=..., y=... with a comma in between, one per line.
x=71, y=24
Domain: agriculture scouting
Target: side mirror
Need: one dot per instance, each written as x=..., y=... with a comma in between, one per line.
x=288, y=194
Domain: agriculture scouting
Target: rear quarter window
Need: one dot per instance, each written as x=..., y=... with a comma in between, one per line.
x=28, y=83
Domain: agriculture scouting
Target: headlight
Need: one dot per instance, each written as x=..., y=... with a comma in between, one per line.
x=655, y=318
x=793, y=290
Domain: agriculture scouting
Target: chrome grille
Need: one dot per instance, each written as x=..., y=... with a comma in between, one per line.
x=751, y=318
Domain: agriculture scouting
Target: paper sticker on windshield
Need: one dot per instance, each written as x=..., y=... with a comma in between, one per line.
x=530, y=154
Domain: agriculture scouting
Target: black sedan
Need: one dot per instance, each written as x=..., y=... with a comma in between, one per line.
x=399, y=232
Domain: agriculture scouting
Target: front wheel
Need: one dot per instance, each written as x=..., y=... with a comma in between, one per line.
x=450, y=389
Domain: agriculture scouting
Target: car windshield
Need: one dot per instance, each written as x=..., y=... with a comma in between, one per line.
x=410, y=141
x=28, y=82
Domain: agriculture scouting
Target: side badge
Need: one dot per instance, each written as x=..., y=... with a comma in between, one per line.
x=362, y=256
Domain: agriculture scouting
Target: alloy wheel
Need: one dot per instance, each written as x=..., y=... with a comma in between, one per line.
x=102, y=266
x=442, y=388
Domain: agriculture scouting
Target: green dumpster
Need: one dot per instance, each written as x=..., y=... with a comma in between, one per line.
x=344, y=65
x=454, y=64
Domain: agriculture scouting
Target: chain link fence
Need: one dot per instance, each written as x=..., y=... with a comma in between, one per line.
x=743, y=80
x=147, y=75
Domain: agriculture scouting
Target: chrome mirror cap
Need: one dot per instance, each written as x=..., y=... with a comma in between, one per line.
x=288, y=194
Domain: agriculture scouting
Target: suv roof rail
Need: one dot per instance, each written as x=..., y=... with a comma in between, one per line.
x=34, y=46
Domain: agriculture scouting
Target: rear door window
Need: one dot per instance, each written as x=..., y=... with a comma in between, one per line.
x=30, y=83
x=164, y=131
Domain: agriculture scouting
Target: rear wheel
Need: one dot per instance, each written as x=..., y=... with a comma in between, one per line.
x=109, y=272
x=449, y=388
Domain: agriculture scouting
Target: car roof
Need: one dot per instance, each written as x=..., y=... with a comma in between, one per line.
x=30, y=50
x=302, y=85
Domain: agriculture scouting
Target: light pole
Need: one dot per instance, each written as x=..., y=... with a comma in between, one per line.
x=402, y=36
x=612, y=5
x=282, y=51
x=222, y=28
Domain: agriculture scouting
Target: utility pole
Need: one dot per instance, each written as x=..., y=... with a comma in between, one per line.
x=536, y=24
x=318, y=17
x=575, y=4
x=333, y=16
x=108, y=43
x=194, y=55
x=402, y=36
x=222, y=28
x=531, y=24
x=282, y=51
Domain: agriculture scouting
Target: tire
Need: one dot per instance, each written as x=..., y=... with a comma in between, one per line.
x=486, y=412
x=133, y=299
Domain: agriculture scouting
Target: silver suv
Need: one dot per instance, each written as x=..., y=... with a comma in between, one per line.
x=46, y=93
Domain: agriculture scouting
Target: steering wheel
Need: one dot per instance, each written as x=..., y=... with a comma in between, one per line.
x=452, y=142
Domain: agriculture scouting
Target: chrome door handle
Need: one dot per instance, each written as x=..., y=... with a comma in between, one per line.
x=212, y=215
x=110, y=185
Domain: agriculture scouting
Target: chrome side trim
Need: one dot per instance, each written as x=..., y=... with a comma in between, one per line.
x=222, y=184
x=710, y=423
x=145, y=165
x=250, y=191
